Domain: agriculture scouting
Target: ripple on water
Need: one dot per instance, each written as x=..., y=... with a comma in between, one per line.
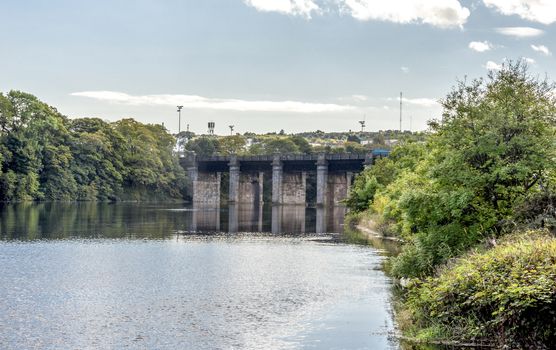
x=255, y=293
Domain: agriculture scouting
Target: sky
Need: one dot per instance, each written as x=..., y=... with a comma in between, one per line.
x=265, y=65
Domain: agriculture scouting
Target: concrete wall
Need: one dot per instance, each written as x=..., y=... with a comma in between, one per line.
x=337, y=187
x=207, y=188
x=251, y=188
x=294, y=187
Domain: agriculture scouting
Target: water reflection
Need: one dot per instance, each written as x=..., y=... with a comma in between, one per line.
x=277, y=219
x=189, y=292
x=31, y=221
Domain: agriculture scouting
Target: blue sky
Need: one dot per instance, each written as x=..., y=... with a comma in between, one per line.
x=264, y=65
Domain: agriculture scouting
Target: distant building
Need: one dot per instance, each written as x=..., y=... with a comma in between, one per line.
x=391, y=142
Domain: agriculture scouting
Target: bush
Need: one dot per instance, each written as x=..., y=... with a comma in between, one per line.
x=506, y=294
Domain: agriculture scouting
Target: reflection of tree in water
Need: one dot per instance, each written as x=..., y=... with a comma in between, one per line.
x=30, y=221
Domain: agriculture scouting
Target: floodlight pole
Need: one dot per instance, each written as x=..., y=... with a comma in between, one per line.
x=179, y=118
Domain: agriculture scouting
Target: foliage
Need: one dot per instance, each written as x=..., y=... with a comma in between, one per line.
x=488, y=169
x=508, y=292
x=232, y=145
x=490, y=156
x=353, y=138
x=46, y=156
x=211, y=146
x=204, y=146
x=302, y=144
x=280, y=145
x=404, y=157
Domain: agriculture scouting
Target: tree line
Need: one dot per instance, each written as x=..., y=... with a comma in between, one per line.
x=266, y=144
x=475, y=205
x=46, y=156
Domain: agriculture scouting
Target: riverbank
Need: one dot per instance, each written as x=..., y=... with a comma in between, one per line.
x=492, y=296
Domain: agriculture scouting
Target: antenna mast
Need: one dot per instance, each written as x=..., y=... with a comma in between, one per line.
x=401, y=99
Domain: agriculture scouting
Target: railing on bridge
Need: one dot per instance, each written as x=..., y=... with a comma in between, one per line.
x=283, y=157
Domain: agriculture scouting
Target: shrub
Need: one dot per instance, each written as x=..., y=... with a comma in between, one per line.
x=506, y=294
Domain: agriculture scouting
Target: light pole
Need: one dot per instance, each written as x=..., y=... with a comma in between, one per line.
x=179, y=118
x=231, y=129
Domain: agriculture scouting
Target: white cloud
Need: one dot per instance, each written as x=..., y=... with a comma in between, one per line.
x=520, y=32
x=289, y=7
x=439, y=13
x=491, y=65
x=421, y=102
x=541, y=11
x=359, y=98
x=529, y=60
x=199, y=102
x=542, y=49
x=404, y=69
x=480, y=46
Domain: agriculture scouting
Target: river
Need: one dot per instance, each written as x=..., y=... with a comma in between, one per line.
x=168, y=276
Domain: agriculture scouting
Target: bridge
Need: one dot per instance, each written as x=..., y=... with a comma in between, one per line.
x=287, y=175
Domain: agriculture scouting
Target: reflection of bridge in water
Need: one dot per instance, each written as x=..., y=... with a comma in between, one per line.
x=287, y=175
x=294, y=219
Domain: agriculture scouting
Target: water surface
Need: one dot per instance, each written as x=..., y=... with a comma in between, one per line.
x=141, y=276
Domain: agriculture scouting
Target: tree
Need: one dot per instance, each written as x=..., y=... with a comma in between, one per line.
x=352, y=147
x=493, y=151
x=302, y=144
x=232, y=145
x=280, y=145
x=46, y=156
x=204, y=146
x=353, y=138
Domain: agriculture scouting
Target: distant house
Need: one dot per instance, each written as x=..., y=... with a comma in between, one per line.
x=391, y=142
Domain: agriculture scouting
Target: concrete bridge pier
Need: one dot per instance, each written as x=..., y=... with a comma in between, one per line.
x=233, y=194
x=233, y=218
x=320, y=220
x=277, y=176
x=276, y=219
x=322, y=179
x=192, y=175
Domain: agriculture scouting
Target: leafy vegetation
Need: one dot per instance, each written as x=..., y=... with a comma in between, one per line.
x=47, y=156
x=486, y=170
x=302, y=143
x=508, y=292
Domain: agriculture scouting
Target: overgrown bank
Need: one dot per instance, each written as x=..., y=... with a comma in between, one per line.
x=47, y=156
x=464, y=202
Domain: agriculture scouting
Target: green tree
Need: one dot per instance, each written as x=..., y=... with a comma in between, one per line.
x=204, y=146
x=353, y=138
x=46, y=156
x=352, y=147
x=302, y=144
x=281, y=145
x=232, y=145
